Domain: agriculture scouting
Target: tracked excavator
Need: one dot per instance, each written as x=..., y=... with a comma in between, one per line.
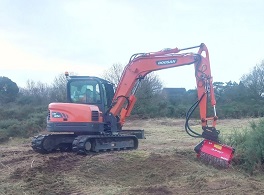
x=92, y=119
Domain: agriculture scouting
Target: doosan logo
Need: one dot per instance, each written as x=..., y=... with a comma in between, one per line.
x=166, y=62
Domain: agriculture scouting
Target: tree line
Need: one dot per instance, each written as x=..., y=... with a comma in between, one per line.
x=26, y=108
x=234, y=100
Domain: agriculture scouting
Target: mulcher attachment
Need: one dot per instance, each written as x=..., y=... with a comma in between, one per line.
x=213, y=153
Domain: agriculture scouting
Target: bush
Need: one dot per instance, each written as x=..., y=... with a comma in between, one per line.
x=23, y=129
x=21, y=121
x=4, y=124
x=249, y=145
x=19, y=129
x=3, y=135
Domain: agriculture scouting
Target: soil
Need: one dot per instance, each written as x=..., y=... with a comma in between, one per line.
x=164, y=163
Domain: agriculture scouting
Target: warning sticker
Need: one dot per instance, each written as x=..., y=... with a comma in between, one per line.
x=218, y=146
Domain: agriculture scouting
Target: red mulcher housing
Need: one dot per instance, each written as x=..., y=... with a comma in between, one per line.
x=215, y=153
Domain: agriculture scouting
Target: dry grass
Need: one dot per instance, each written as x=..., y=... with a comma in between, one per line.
x=165, y=163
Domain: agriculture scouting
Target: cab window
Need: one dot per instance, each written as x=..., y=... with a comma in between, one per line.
x=85, y=92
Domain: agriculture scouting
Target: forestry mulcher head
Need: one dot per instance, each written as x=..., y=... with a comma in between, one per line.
x=210, y=150
x=214, y=153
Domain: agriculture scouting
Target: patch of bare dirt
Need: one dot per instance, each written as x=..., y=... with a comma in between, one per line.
x=35, y=173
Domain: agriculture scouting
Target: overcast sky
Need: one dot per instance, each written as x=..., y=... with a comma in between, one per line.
x=41, y=39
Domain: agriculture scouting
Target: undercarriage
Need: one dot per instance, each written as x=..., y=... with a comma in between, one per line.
x=83, y=144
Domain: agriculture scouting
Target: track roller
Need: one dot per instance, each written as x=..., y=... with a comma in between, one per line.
x=85, y=144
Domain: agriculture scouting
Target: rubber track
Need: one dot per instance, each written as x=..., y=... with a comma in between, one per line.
x=36, y=144
x=55, y=142
x=76, y=145
x=79, y=143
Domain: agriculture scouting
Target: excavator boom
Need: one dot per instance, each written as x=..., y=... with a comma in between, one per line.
x=142, y=64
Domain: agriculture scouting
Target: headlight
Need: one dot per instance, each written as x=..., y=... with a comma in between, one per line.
x=56, y=115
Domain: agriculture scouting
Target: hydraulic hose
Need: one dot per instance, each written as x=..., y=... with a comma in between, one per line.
x=112, y=105
x=189, y=113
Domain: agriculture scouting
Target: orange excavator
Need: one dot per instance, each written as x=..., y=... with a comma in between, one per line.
x=92, y=119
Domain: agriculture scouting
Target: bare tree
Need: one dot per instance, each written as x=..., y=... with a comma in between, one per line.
x=150, y=84
x=148, y=94
x=59, y=86
x=35, y=92
x=254, y=81
x=113, y=74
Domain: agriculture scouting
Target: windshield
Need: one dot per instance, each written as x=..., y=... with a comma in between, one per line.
x=87, y=91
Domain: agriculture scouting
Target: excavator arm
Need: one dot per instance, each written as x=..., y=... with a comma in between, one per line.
x=143, y=63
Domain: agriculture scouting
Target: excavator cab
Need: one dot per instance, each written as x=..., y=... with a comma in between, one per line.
x=88, y=100
x=91, y=91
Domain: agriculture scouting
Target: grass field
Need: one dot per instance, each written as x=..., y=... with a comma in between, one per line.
x=164, y=163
